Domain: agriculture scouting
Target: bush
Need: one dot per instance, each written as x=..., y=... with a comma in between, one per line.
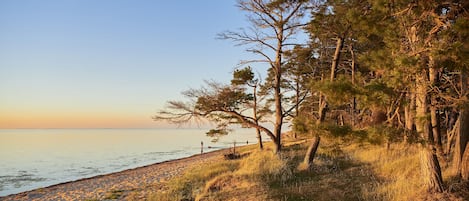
x=383, y=134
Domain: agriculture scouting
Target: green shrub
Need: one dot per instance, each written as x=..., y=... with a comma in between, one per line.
x=381, y=134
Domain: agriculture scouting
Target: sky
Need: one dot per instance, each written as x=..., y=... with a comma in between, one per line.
x=109, y=63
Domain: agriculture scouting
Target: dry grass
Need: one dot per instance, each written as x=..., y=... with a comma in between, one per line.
x=249, y=181
x=398, y=173
x=340, y=172
x=191, y=183
x=396, y=170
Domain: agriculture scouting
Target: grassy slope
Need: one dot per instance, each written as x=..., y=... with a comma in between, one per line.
x=340, y=172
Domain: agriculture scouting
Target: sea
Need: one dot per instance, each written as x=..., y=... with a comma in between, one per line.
x=35, y=158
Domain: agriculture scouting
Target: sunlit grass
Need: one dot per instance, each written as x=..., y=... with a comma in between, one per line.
x=341, y=171
x=397, y=172
x=192, y=182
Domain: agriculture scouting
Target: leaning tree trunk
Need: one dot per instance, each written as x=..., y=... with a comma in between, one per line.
x=322, y=109
x=335, y=62
x=309, y=157
x=431, y=170
x=259, y=139
x=462, y=133
x=465, y=164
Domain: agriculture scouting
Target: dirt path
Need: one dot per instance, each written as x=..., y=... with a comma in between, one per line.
x=136, y=183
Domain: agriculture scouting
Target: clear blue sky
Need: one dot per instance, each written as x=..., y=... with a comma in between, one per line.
x=108, y=63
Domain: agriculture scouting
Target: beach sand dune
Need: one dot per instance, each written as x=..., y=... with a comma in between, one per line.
x=136, y=183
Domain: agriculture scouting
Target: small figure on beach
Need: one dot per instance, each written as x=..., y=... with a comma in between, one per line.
x=201, y=147
x=247, y=142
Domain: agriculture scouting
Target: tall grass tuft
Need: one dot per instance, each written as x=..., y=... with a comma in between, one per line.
x=264, y=165
x=193, y=181
x=251, y=181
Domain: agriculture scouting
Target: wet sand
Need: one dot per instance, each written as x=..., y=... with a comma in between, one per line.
x=134, y=184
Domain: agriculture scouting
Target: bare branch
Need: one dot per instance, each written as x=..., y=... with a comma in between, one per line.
x=243, y=38
x=267, y=58
x=287, y=112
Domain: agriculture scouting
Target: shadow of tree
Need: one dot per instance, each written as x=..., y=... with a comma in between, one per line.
x=335, y=175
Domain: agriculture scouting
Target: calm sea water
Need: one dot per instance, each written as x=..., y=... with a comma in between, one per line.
x=34, y=158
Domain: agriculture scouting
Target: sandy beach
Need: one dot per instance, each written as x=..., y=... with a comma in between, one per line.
x=137, y=183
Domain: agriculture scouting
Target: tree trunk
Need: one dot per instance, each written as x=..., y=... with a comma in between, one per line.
x=421, y=110
x=322, y=109
x=434, y=113
x=431, y=170
x=409, y=115
x=465, y=164
x=429, y=162
x=354, y=101
x=322, y=106
x=259, y=139
x=309, y=157
x=451, y=136
x=258, y=131
x=277, y=92
x=335, y=60
x=462, y=133
x=335, y=63
x=297, y=102
x=435, y=123
x=462, y=138
x=409, y=112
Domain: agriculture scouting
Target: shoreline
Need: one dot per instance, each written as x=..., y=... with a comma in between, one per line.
x=128, y=180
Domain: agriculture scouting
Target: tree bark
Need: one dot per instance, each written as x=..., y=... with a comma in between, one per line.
x=256, y=119
x=434, y=113
x=409, y=112
x=435, y=124
x=335, y=60
x=322, y=109
x=409, y=115
x=431, y=170
x=429, y=162
x=465, y=164
x=259, y=139
x=421, y=110
x=309, y=157
x=354, y=101
x=277, y=92
x=297, y=101
x=462, y=133
x=322, y=104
